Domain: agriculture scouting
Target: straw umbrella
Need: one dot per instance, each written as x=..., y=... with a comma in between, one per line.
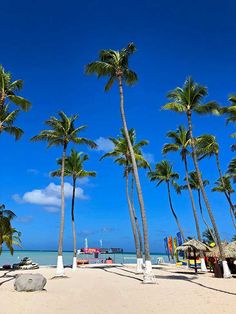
x=230, y=250
x=195, y=246
x=215, y=252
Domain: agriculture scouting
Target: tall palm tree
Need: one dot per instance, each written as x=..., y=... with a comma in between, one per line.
x=7, y=120
x=207, y=146
x=62, y=132
x=9, y=90
x=164, y=173
x=122, y=157
x=181, y=142
x=226, y=188
x=74, y=167
x=188, y=100
x=8, y=235
x=194, y=184
x=115, y=65
x=231, y=171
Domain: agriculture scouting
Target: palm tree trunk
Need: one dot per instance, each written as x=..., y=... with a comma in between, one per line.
x=192, y=200
x=132, y=218
x=60, y=267
x=203, y=218
x=203, y=264
x=217, y=235
x=136, y=219
x=148, y=277
x=232, y=212
x=140, y=253
x=73, y=225
x=173, y=212
x=227, y=195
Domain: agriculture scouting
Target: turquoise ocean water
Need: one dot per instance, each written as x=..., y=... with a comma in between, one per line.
x=50, y=257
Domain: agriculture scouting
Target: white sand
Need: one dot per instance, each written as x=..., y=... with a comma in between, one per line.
x=116, y=290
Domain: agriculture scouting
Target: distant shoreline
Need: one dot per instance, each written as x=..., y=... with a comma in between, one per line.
x=71, y=251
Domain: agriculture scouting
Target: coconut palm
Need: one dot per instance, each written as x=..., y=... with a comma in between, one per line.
x=122, y=157
x=194, y=184
x=164, y=173
x=181, y=142
x=115, y=65
x=231, y=171
x=226, y=188
x=207, y=146
x=8, y=235
x=7, y=120
x=62, y=132
x=74, y=168
x=9, y=90
x=230, y=112
x=207, y=236
x=188, y=100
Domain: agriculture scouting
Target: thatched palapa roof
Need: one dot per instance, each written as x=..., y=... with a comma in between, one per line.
x=230, y=250
x=193, y=244
x=215, y=252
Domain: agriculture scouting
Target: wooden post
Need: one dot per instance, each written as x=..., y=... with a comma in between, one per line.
x=195, y=260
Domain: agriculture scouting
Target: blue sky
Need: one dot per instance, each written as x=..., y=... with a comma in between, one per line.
x=47, y=44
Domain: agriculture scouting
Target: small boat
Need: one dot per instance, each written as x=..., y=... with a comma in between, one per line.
x=82, y=261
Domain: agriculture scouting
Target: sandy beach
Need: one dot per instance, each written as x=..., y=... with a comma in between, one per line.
x=120, y=290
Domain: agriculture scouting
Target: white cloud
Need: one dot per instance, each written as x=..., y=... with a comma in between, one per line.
x=50, y=196
x=149, y=157
x=104, y=144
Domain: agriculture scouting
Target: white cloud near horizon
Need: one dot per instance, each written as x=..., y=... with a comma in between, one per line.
x=49, y=196
x=104, y=144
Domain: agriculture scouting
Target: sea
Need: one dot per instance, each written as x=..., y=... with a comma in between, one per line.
x=46, y=258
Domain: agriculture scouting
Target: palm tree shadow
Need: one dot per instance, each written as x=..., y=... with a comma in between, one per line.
x=210, y=288
x=129, y=271
x=191, y=280
x=7, y=276
x=122, y=275
x=173, y=277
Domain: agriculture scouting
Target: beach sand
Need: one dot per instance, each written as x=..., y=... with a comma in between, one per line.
x=119, y=290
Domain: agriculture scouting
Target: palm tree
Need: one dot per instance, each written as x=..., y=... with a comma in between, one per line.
x=234, y=238
x=62, y=133
x=194, y=184
x=230, y=112
x=231, y=171
x=164, y=173
x=180, y=142
x=207, y=146
x=122, y=157
x=7, y=120
x=8, y=235
x=188, y=100
x=115, y=65
x=207, y=235
x=74, y=167
x=227, y=189
x=9, y=90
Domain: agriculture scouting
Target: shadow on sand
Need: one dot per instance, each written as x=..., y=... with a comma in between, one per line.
x=122, y=275
x=7, y=276
x=191, y=280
